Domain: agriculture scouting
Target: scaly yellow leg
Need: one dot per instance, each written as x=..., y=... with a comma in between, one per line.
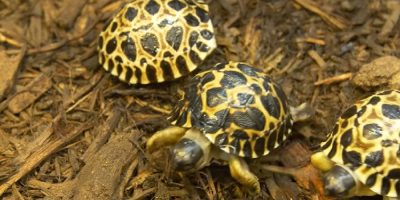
x=165, y=137
x=240, y=171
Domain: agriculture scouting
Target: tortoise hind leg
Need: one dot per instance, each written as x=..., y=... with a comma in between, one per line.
x=165, y=137
x=240, y=171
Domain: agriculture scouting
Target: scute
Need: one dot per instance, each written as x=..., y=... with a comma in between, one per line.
x=156, y=33
x=372, y=147
x=226, y=104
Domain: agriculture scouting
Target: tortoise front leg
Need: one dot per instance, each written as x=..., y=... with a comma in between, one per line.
x=165, y=137
x=240, y=171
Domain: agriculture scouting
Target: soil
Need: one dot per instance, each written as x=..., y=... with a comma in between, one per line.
x=69, y=130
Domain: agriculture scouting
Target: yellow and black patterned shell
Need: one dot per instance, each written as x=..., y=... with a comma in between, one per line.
x=152, y=41
x=239, y=109
x=366, y=138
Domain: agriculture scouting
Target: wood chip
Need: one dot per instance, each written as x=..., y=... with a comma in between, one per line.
x=69, y=11
x=329, y=18
x=31, y=92
x=339, y=78
x=317, y=58
x=8, y=69
x=392, y=19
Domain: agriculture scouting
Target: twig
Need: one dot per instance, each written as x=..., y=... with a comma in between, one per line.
x=317, y=58
x=334, y=79
x=309, y=5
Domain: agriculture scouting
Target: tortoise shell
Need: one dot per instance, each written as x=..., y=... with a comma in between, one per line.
x=152, y=41
x=366, y=138
x=239, y=109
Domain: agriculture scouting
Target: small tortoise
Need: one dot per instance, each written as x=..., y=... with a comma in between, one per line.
x=152, y=41
x=361, y=156
x=230, y=112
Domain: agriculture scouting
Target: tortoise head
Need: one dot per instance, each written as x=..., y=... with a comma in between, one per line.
x=192, y=151
x=186, y=155
x=339, y=181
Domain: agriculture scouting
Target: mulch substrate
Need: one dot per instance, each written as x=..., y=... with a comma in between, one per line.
x=69, y=130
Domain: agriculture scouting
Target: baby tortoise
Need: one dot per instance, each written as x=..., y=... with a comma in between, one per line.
x=230, y=112
x=152, y=41
x=361, y=156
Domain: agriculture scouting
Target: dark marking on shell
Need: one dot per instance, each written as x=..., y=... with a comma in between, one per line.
x=271, y=104
x=232, y=79
x=281, y=132
x=271, y=140
x=143, y=61
x=281, y=96
x=247, y=151
x=194, y=36
x=111, y=65
x=386, y=143
x=259, y=147
x=131, y=13
x=397, y=186
x=102, y=58
x=266, y=84
x=374, y=159
x=385, y=186
x=174, y=37
x=352, y=157
x=234, y=146
x=194, y=57
x=398, y=153
x=152, y=7
x=167, y=70
x=391, y=111
x=251, y=119
x=346, y=138
x=333, y=150
x=344, y=124
x=208, y=77
x=250, y=71
x=372, y=131
x=394, y=174
x=176, y=5
x=371, y=180
x=138, y=75
x=111, y=45
x=167, y=54
x=361, y=111
x=240, y=134
x=215, y=96
x=206, y=34
x=191, y=20
x=128, y=74
x=151, y=73
x=129, y=48
x=114, y=26
x=118, y=59
x=202, y=47
x=119, y=69
x=202, y=14
x=150, y=43
x=221, y=139
x=222, y=117
x=182, y=118
x=374, y=100
x=257, y=89
x=220, y=66
x=349, y=112
x=245, y=99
